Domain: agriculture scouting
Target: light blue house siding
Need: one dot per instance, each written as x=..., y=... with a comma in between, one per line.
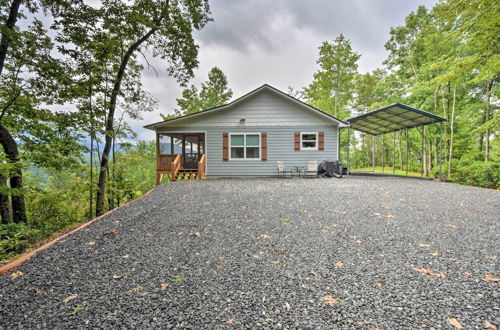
x=280, y=146
x=265, y=109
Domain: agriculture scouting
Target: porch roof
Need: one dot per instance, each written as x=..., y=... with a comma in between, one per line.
x=392, y=118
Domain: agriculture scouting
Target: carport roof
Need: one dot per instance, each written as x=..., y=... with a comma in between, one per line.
x=392, y=118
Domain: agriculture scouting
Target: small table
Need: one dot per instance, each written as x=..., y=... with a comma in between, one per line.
x=299, y=170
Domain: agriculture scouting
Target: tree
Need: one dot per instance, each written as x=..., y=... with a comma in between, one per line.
x=332, y=88
x=214, y=92
x=29, y=77
x=124, y=30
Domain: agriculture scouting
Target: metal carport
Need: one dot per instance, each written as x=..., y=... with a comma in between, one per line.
x=391, y=119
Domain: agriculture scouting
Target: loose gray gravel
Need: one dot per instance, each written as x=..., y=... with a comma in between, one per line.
x=264, y=253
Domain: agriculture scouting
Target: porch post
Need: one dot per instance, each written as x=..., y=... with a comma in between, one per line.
x=171, y=145
x=348, y=149
x=407, y=154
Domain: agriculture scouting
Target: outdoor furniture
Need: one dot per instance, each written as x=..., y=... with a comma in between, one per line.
x=311, y=169
x=299, y=170
x=283, y=171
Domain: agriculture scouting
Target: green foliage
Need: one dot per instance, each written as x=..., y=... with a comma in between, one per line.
x=333, y=85
x=214, y=92
x=481, y=174
x=16, y=237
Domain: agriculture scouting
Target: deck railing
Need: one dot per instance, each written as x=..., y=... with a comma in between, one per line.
x=201, y=167
x=176, y=166
x=164, y=162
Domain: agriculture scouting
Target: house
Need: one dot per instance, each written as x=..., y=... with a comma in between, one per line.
x=246, y=137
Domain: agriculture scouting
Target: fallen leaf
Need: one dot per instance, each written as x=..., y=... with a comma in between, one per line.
x=264, y=236
x=489, y=325
x=454, y=322
x=148, y=235
x=255, y=256
x=423, y=245
x=117, y=276
x=467, y=274
x=125, y=256
x=381, y=256
x=38, y=292
x=449, y=225
x=434, y=254
x=288, y=306
x=196, y=234
x=339, y=265
x=142, y=294
x=90, y=243
x=452, y=259
x=276, y=262
x=492, y=257
x=359, y=241
x=376, y=214
x=379, y=284
x=276, y=251
x=165, y=286
x=430, y=272
x=220, y=266
x=230, y=321
x=15, y=275
x=390, y=216
x=68, y=298
x=286, y=219
x=331, y=300
x=111, y=233
x=135, y=290
x=490, y=278
x=385, y=207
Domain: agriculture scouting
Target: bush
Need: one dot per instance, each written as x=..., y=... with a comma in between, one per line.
x=16, y=237
x=51, y=211
x=481, y=174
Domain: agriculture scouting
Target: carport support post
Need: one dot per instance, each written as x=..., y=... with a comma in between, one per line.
x=383, y=153
x=440, y=148
x=423, y=150
x=348, y=149
x=407, y=154
x=373, y=153
x=394, y=153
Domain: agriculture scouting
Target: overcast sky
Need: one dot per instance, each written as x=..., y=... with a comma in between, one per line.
x=276, y=42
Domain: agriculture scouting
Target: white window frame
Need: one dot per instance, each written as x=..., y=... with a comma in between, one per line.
x=316, y=144
x=244, y=146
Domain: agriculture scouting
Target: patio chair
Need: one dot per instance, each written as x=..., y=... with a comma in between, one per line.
x=311, y=169
x=283, y=171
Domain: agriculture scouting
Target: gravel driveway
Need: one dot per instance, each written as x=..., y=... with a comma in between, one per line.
x=272, y=253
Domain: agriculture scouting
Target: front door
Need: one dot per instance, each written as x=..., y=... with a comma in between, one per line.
x=192, y=149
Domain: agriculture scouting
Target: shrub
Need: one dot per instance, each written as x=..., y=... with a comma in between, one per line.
x=481, y=174
x=16, y=237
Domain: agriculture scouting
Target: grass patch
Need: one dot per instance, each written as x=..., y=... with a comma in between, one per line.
x=77, y=309
x=387, y=170
x=178, y=279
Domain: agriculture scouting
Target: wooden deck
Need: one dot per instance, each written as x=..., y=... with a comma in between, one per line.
x=170, y=166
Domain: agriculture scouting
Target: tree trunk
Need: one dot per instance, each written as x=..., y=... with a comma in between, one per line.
x=10, y=23
x=450, y=156
x=16, y=177
x=5, y=209
x=487, y=118
x=429, y=158
x=101, y=187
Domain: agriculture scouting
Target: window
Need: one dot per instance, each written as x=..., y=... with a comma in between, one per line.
x=308, y=141
x=244, y=145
